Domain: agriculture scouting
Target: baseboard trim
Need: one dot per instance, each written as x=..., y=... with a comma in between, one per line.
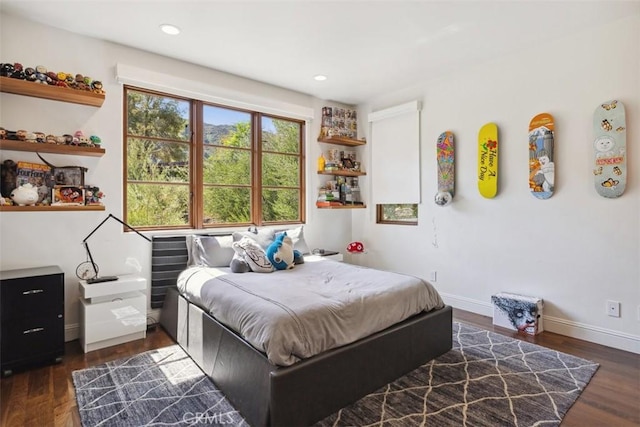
x=608, y=337
x=71, y=332
x=591, y=333
x=468, y=304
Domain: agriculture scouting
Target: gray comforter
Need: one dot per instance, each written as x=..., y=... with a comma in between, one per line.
x=294, y=314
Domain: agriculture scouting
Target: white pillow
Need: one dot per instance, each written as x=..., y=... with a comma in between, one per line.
x=263, y=237
x=209, y=251
x=297, y=236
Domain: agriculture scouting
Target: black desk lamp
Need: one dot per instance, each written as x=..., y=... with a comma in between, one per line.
x=88, y=270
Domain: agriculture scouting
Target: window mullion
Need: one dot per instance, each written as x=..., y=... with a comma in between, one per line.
x=256, y=181
x=197, y=156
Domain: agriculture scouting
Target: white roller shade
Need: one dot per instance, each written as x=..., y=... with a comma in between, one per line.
x=395, y=154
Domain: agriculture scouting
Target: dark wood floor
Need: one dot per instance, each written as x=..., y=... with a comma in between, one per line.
x=44, y=396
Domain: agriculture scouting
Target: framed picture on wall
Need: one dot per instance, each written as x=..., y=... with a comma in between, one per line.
x=69, y=176
x=69, y=195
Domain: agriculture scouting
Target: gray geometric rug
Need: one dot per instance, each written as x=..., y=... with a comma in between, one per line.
x=486, y=380
x=157, y=388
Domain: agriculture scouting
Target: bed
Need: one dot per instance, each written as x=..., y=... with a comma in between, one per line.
x=283, y=388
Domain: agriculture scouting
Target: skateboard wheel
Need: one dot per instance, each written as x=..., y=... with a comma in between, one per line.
x=443, y=198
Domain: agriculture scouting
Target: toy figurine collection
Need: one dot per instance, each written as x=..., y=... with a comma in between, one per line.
x=78, y=138
x=43, y=184
x=40, y=74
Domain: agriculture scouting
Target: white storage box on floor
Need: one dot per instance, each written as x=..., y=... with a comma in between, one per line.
x=518, y=312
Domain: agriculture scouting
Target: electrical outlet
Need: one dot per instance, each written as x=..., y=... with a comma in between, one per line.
x=613, y=308
x=433, y=276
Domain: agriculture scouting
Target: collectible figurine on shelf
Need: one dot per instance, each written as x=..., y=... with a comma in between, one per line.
x=52, y=78
x=18, y=72
x=6, y=70
x=30, y=74
x=70, y=81
x=31, y=137
x=26, y=194
x=83, y=141
x=95, y=140
x=96, y=87
x=9, y=174
x=93, y=195
x=40, y=74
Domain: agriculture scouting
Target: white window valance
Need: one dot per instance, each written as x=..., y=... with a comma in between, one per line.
x=395, y=154
x=196, y=89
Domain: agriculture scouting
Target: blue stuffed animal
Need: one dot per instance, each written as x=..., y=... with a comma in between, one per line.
x=281, y=253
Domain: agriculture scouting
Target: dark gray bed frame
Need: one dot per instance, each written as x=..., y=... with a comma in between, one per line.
x=310, y=390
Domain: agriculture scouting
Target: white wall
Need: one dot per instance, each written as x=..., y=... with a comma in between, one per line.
x=575, y=250
x=30, y=239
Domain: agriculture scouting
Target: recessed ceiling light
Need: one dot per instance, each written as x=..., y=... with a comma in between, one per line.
x=170, y=29
x=320, y=77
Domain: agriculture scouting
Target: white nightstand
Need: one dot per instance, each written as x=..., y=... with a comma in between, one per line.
x=112, y=312
x=335, y=257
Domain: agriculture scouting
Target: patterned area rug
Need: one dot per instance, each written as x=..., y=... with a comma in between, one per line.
x=161, y=387
x=486, y=380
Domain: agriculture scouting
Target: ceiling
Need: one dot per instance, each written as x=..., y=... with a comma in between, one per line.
x=365, y=48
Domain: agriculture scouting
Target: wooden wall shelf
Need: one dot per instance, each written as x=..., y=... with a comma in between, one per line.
x=343, y=207
x=339, y=140
x=7, y=208
x=7, y=144
x=56, y=93
x=342, y=173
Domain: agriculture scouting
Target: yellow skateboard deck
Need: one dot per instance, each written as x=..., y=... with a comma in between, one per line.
x=488, y=160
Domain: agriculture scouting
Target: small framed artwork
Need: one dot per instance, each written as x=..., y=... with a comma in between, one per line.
x=69, y=176
x=68, y=195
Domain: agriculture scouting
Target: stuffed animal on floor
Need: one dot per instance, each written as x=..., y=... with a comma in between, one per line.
x=281, y=253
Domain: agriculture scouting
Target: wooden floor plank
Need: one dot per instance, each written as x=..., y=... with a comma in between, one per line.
x=44, y=396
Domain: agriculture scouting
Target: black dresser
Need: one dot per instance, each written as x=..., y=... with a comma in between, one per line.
x=31, y=317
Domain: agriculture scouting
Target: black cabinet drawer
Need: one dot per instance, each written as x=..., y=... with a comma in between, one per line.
x=32, y=339
x=32, y=296
x=31, y=316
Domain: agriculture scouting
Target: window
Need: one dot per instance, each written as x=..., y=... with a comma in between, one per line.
x=193, y=164
x=405, y=214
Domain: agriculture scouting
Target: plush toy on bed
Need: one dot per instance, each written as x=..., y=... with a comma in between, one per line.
x=281, y=253
x=252, y=254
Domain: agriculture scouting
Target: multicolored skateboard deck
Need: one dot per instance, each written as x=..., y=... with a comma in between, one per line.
x=488, y=160
x=610, y=144
x=446, y=169
x=541, y=165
